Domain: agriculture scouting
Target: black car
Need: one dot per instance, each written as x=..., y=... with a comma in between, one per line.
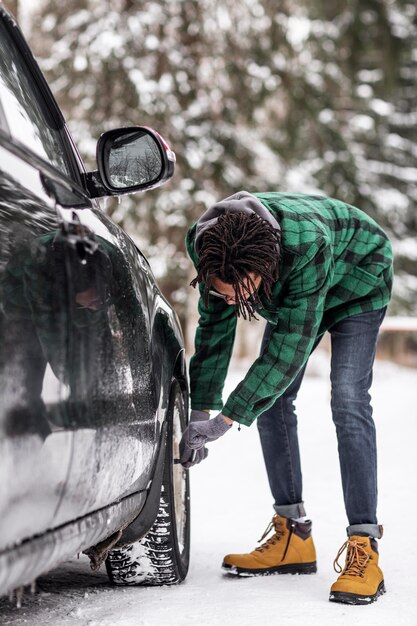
x=93, y=387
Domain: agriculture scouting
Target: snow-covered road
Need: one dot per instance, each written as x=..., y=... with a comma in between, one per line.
x=231, y=507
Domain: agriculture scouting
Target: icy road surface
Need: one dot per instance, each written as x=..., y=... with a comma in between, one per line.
x=231, y=507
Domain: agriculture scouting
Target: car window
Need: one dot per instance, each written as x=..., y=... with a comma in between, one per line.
x=26, y=116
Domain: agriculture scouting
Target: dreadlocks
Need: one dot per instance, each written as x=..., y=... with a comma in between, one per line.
x=236, y=246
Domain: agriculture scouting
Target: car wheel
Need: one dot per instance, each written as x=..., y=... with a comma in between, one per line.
x=162, y=556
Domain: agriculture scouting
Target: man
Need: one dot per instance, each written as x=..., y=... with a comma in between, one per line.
x=306, y=264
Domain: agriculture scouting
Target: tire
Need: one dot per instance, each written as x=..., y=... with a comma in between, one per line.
x=162, y=556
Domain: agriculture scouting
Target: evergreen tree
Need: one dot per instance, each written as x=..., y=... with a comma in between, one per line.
x=181, y=67
x=373, y=45
x=251, y=94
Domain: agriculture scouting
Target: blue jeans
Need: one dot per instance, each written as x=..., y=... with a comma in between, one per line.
x=353, y=343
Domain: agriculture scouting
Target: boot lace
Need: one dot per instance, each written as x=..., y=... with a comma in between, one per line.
x=356, y=558
x=279, y=532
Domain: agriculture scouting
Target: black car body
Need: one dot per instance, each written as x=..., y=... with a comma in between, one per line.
x=93, y=389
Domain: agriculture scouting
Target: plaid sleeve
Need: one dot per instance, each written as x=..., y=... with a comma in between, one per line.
x=291, y=340
x=214, y=341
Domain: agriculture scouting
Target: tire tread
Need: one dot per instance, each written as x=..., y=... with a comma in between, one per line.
x=153, y=560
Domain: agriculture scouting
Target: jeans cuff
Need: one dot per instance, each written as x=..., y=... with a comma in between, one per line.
x=290, y=510
x=367, y=530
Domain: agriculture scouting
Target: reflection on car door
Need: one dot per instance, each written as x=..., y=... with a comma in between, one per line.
x=78, y=400
x=34, y=449
x=111, y=405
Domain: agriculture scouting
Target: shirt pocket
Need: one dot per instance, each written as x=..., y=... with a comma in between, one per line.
x=359, y=282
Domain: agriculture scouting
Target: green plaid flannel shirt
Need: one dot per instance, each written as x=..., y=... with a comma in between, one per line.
x=335, y=262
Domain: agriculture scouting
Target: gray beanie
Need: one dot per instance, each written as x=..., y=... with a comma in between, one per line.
x=240, y=202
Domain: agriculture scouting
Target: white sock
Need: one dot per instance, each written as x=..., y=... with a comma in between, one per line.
x=299, y=519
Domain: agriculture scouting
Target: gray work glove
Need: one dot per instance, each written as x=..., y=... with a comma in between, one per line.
x=189, y=456
x=200, y=433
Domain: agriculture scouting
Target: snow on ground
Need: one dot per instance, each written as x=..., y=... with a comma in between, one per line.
x=231, y=507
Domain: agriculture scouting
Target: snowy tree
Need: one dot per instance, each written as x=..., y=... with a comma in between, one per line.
x=181, y=67
x=372, y=44
x=257, y=95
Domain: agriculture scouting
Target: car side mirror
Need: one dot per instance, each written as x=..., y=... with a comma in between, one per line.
x=130, y=159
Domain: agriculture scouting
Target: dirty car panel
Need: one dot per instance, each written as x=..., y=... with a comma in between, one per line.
x=88, y=345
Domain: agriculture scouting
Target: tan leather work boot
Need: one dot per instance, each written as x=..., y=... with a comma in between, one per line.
x=290, y=550
x=361, y=581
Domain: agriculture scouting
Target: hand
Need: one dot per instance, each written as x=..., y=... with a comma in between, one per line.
x=188, y=456
x=197, y=434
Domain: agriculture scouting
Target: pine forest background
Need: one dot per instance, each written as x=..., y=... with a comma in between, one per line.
x=308, y=96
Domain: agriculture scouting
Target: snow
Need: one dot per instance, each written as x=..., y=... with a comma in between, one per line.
x=298, y=30
x=399, y=323
x=364, y=91
x=406, y=247
x=231, y=507
x=363, y=122
x=381, y=107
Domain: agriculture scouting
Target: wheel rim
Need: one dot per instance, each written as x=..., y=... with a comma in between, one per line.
x=179, y=481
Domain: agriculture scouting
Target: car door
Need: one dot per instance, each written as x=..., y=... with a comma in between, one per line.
x=79, y=405
x=114, y=400
x=35, y=450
